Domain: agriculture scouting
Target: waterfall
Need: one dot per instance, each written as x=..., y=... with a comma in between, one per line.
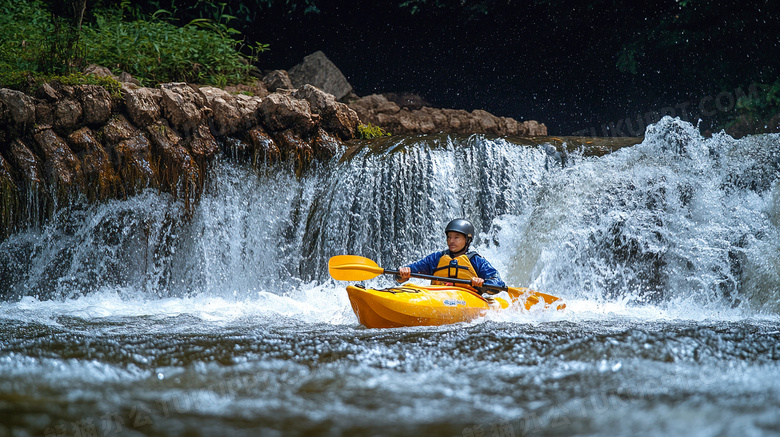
x=676, y=219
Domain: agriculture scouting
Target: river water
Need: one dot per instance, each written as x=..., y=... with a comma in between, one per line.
x=124, y=319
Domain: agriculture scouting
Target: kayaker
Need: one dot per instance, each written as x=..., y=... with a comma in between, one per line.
x=457, y=261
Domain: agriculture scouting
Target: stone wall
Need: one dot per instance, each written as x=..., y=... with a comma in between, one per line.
x=71, y=142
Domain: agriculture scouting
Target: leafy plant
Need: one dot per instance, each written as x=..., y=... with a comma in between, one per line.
x=36, y=41
x=156, y=51
x=765, y=102
x=369, y=131
x=29, y=82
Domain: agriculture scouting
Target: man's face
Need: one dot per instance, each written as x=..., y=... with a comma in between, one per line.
x=456, y=241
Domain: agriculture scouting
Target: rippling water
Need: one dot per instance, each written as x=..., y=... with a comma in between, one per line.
x=120, y=319
x=219, y=367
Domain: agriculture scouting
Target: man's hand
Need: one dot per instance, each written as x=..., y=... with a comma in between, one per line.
x=477, y=282
x=404, y=273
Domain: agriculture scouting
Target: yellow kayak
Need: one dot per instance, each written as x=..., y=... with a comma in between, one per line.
x=416, y=305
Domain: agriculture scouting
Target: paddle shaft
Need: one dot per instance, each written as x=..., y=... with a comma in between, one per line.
x=443, y=279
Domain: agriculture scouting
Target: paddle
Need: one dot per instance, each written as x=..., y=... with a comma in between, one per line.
x=358, y=268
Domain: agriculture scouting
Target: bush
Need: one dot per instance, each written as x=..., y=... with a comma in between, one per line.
x=765, y=103
x=29, y=82
x=370, y=131
x=35, y=42
x=155, y=51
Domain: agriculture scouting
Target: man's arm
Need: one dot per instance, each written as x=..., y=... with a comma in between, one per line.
x=487, y=272
x=426, y=266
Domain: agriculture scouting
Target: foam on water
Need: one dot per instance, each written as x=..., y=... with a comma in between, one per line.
x=677, y=227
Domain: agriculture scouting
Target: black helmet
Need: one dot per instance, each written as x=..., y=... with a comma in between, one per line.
x=461, y=226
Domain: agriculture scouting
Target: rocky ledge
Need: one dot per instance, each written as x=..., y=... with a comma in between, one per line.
x=79, y=142
x=71, y=141
x=406, y=118
x=379, y=111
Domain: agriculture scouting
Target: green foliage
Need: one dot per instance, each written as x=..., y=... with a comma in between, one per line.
x=25, y=26
x=30, y=82
x=627, y=58
x=370, y=131
x=764, y=103
x=150, y=48
x=155, y=51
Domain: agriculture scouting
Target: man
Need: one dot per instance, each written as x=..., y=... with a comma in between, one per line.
x=456, y=261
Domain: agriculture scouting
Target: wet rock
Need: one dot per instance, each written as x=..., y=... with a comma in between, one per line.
x=532, y=128
x=316, y=69
x=183, y=106
x=95, y=104
x=486, y=122
x=224, y=109
x=44, y=114
x=62, y=169
x=237, y=150
x=377, y=110
x=9, y=200
x=25, y=163
x=325, y=145
x=67, y=115
x=335, y=117
x=125, y=77
x=277, y=79
x=100, y=179
x=116, y=130
x=142, y=104
x=48, y=93
x=295, y=149
x=202, y=146
x=100, y=71
x=281, y=112
x=178, y=171
x=131, y=154
x=17, y=110
x=247, y=110
x=264, y=149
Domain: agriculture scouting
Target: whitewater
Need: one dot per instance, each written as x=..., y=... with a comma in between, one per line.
x=137, y=317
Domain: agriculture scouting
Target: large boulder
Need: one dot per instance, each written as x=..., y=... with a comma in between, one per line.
x=335, y=117
x=100, y=178
x=27, y=168
x=378, y=110
x=247, y=110
x=277, y=79
x=178, y=172
x=131, y=153
x=61, y=166
x=95, y=104
x=142, y=104
x=183, y=106
x=281, y=112
x=9, y=200
x=224, y=110
x=316, y=69
x=202, y=146
x=17, y=110
x=67, y=115
x=264, y=149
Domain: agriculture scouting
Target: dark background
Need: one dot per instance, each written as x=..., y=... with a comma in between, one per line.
x=551, y=61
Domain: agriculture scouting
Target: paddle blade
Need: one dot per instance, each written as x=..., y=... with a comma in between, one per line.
x=353, y=268
x=530, y=298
